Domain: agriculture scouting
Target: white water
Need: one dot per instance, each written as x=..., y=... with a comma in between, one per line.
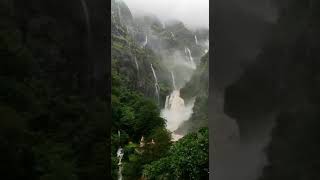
x=176, y=112
x=190, y=58
x=145, y=42
x=120, y=154
x=157, y=88
x=172, y=35
x=137, y=65
x=173, y=81
x=196, y=39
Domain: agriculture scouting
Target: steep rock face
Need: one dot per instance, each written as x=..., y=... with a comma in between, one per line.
x=197, y=87
x=133, y=61
x=141, y=41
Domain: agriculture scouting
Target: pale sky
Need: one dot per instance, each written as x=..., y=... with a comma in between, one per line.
x=193, y=13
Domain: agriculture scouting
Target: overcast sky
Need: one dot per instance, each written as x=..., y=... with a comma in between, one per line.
x=194, y=13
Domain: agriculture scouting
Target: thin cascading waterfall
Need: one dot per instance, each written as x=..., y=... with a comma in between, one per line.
x=157, y=88
x=173, y=81
x=163, y=25
x=206, y=46
x=119, y=12
x=186, y=53
x=166, y=106
x=189, y=56
x=172, y=35
x=136, y=62
x=145, y=41
x=120, y=154
x=196, y=39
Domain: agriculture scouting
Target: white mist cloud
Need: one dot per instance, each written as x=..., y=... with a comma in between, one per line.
x=194, y=13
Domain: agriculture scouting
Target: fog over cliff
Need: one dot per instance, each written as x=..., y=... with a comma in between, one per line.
x=194, y=13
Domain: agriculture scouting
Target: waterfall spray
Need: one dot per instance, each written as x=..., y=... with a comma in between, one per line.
x=176, y=112
x=157, y=88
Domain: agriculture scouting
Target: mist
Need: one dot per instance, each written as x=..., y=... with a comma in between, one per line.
x=242, y=28
x=193, y=13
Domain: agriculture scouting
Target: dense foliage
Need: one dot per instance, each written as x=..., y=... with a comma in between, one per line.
x=137, y=127
x=187, y=159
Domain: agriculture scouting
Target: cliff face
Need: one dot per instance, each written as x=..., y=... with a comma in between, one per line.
x=197, y=87
x=138, y=42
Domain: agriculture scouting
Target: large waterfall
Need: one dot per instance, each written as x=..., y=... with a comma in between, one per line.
x=157, y=88
x=175, y=110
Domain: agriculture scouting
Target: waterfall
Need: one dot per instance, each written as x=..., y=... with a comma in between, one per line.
x=163, y=25
x=173, y=81
x=120, y=154
x=157, y=88
x=119, y=12
x=176, y=112
x=145, y=42
x=189, y=57
x=196, y=39
x=166, y=106
x=172, y=35
x=137, y=65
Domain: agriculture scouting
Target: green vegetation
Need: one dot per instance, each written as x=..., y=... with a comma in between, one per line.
x=136, y=114
x=187, y=159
